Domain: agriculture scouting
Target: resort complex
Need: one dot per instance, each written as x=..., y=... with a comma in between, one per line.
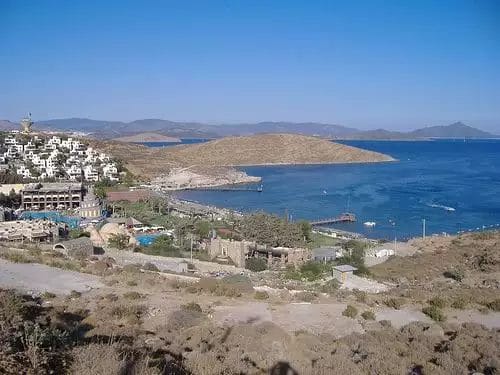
x=45, y=157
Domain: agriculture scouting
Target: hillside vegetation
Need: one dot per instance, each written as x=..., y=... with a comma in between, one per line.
x=267, y=149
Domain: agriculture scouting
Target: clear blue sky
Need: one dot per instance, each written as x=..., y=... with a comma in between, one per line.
x=394, y=64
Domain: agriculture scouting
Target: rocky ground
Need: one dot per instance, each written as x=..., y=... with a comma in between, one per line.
x=161, y=323
x=196, y=177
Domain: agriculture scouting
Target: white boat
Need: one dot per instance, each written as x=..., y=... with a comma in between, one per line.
x=369, y=223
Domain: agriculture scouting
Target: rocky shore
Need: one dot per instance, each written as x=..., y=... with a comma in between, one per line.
x=195, y=177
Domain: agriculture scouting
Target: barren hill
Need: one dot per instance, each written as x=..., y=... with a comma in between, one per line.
x=268, y=149
x=147, y=137
x=264, y=149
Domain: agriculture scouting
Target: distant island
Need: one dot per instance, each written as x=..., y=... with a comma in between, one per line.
x=117, y=129
x=147, y=137
x=214, y=161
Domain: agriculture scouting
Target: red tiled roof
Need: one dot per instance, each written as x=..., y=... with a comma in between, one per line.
x=129, y=196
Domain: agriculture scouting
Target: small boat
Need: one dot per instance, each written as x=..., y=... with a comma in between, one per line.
x=369, y=223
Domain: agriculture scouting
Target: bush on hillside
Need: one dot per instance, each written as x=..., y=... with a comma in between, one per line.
x=435, y=313
x=118, y=241
x=350, y=311
x=368, y=315
x=256, y=264
x=455, y=274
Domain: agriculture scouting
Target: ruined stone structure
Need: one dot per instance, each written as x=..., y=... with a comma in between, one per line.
x=238, y=251
x=235, y=250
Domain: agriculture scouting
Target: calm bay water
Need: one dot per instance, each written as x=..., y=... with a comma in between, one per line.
x=454, y=185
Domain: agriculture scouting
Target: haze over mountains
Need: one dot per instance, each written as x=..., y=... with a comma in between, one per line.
x=115, y=129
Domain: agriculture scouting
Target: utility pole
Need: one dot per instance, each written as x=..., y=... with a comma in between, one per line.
x=423, y=228
x=191, y=248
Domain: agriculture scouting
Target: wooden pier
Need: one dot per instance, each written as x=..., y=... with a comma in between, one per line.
x=342, y=218
x=257, y=189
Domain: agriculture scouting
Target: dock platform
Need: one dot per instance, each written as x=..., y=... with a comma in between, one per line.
x=342, y=218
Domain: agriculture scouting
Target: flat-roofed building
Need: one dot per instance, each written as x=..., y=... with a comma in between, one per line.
x=343, y=272
x=50, y=196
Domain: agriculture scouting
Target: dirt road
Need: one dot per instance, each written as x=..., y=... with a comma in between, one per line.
x=38, y=278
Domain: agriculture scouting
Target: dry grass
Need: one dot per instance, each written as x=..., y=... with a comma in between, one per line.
x=132, y=295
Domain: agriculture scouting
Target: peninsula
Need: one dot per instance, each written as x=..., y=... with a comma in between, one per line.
x=210, y=158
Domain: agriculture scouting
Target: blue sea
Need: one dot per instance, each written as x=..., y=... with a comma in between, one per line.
x=452, y=184
x=184, y=141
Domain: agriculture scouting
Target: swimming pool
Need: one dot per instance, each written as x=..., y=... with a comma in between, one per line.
x=56, y=217
x=147, y=239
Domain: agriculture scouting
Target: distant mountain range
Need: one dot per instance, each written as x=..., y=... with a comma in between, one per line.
x=114, y=129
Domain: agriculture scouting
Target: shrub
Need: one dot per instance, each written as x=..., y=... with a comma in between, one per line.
x=178, y=284
x=385, y=323
x=75, y=294
x=368, y=315
x=293, y=274
x=331, y=286
x=230, y=286
x=118, y=241
x=306, y=296
x=435, y=313
x=48, y=295
x=493, y=305
x=261, y=295
x=460, y=303
x=132, y=295
x=127, y=311
x=192, y=306
x=312, y=271
x=350, y=311
x=77, y=233
x=360, y=295
x=12, y=307
x=132, y=283
x=256, y=264
x=395, y=303
x=150, y=267
x=132, y=268
x=454, y=274
x=111, y=297
x=438, y=302
x=243, y=283
x=362, y=270
x=16, y=257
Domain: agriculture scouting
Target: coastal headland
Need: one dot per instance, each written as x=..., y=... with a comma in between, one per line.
x=213, y=163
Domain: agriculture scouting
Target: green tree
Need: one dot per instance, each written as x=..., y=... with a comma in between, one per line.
x=271, y=230
x=202, y=229
x=306, y=229
x=118, y=241
x=164, y=246
x=13, y=200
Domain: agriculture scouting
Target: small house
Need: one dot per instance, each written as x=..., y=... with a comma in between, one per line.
x=343, y=272
x=325, y=253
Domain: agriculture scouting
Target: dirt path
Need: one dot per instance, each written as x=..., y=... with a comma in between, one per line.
x=38, y=278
